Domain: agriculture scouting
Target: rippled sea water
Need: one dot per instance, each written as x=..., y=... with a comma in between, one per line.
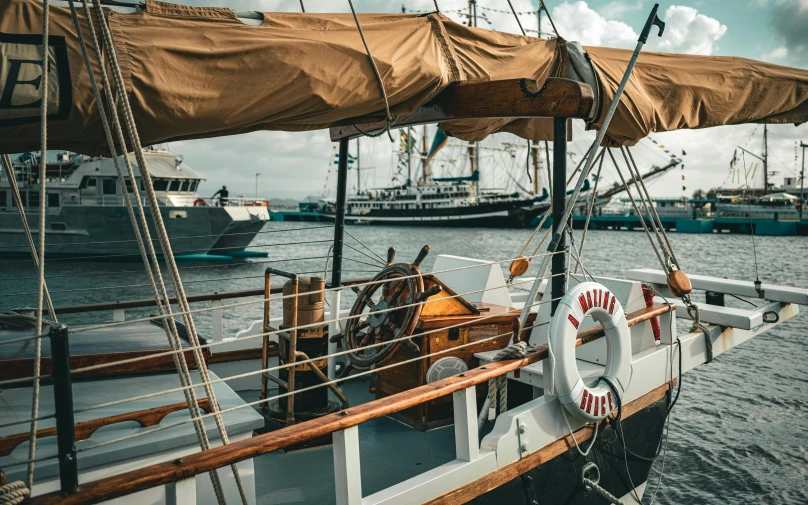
x=738, y=432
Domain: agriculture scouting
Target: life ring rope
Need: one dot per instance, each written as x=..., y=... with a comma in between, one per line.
x=590, y=403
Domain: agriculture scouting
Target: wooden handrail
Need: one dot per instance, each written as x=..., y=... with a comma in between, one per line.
x=205, y=461
x=510, y=98
x=135, y=304
x=85, y=429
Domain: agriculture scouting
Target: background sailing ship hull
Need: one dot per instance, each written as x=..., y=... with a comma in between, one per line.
x=505, y=214
x=81, y=231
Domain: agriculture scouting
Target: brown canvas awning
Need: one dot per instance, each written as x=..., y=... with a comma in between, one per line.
x=201, y=72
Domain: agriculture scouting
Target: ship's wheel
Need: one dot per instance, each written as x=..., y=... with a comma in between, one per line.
x=388, y=309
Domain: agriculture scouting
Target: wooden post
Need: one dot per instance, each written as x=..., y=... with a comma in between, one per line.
x=347, y=476
x=63, y=402
x=216, y=316
x=339, y=215
x=534, y=149
x=467, y=442
x=559, y=182
x=182, y=492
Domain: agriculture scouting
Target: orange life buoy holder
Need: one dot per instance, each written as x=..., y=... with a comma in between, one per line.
x=200, y=202
x=584, y=402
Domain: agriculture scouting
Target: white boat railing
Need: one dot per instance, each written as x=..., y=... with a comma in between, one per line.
x=168, y=200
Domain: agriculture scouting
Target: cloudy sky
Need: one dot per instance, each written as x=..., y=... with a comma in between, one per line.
x=297, y=164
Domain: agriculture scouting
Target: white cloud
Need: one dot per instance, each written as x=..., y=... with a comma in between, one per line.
x=577, y=21
x=778, y=54
x=618, y=8
x=686, y=30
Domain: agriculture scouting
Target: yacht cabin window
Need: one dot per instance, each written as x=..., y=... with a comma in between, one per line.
x=3, y=199
x=194, y=185
x=53, y=199
x=160, y=184
x=175, y=186
x=110, y=186
x=185, y=186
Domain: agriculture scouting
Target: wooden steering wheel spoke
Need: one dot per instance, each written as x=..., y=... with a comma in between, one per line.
x=390, y=318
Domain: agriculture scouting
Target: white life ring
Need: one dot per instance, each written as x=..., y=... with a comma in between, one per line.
x=590, y=299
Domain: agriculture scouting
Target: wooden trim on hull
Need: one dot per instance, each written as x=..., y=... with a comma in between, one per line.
x=218, y=457
x=506, y=474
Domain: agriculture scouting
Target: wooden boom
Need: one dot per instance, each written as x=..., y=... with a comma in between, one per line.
x=512, y=98
x=205, y=461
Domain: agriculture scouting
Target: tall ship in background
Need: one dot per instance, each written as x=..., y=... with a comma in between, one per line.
x=87, y=215
x=457, y=200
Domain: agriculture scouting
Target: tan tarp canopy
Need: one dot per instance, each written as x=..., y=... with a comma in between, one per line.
x=201, y=72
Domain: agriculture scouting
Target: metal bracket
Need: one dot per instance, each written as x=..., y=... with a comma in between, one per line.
x=522, y=438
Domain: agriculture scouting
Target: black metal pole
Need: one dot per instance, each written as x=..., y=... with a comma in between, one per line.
x=339, y=215
x=63, y=401
x=559, y=261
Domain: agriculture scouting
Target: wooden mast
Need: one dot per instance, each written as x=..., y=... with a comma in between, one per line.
x=765, y=159
x=534, y=151
x=425, y=153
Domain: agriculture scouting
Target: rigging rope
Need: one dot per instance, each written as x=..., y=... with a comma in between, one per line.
x=389, y=116
x=516, y=16
x=15, y=190
x=662, y=262
x=289, y=296
x=544, y=7
x=650, y=212
x=14, y=493
x=298, y=362
x=43, y=173
x=170, y=326
x=302, y=390
x=162, y=234
x=591, y=208
x=299, y=327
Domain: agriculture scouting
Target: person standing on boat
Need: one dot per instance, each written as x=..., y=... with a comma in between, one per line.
x=222, y=194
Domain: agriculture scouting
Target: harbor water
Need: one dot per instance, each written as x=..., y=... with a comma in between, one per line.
x=737, y=434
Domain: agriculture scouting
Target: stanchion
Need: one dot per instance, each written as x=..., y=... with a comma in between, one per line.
x=63, y=401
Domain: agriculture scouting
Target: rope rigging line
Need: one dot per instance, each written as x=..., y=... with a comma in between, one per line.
x=325, y=290
x=549, y=209
x=15, y=189
x=126, y=255
x=194, y=267
x=14, y=493
x=591, y=208
x=648, y=205
x=132, y=241
x=384, y=261
x=163, y=306
x=302, y=7
x=302, y=390
x=516, y=16
x=299, y=327
x=544, y=7
x=662, y=262
x=302, y=362
x=653, y=208
x=389, y=115
x=240, y=304
x=43, y=172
